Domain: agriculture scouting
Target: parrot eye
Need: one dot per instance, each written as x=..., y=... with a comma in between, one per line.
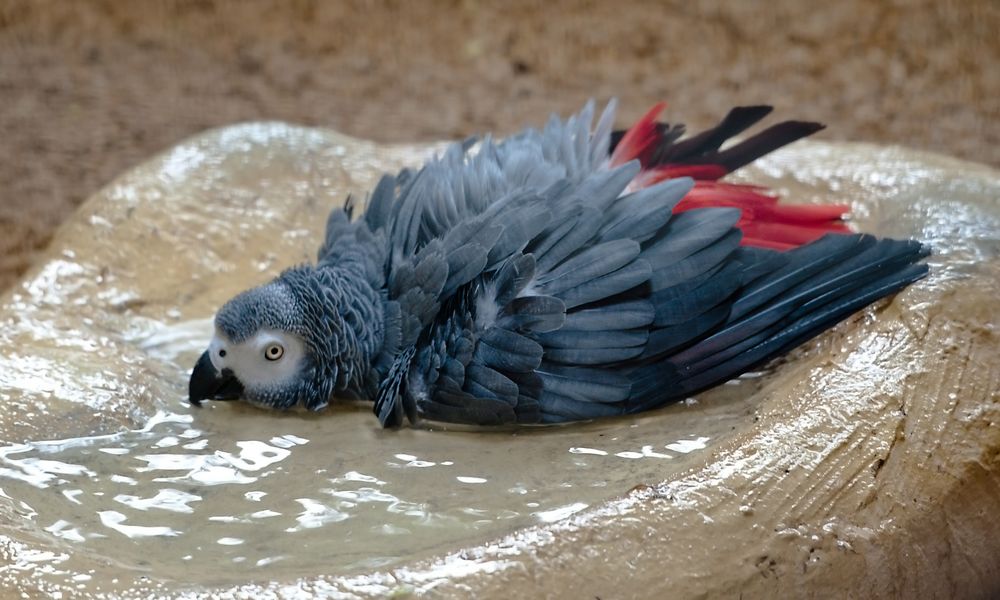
x=274, y=352
x=222, y=353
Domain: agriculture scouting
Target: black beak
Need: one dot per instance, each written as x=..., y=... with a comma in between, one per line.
x=208, y=384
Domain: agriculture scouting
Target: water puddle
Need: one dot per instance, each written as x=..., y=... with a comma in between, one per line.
x=228, y=493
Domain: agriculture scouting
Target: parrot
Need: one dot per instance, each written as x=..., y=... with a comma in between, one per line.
x=561, y=274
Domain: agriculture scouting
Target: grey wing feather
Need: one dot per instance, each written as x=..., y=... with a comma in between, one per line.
x=534, y=288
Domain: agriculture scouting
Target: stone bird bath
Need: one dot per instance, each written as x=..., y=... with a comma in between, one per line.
x=866, y=464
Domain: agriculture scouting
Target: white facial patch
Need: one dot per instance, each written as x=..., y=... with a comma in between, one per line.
x=249, y=360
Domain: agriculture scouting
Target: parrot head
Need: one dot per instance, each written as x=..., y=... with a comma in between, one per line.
x=291, y=342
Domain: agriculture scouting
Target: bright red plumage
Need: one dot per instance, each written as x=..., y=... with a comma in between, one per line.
x=765, y=222
x=640, y=140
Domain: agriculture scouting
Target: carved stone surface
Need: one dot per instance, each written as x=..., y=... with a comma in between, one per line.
x=865, y=464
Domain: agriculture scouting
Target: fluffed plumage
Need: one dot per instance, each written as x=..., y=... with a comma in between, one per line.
x=562, y=274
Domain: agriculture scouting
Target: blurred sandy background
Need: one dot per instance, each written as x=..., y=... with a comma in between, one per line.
x=90, y=88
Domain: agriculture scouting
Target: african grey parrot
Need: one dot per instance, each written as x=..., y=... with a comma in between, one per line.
x=563, y=274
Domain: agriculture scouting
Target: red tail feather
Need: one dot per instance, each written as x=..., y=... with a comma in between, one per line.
x=783, y=233
x=699, y=172
x=640, y=140
x=760, y=243
x=765, y=222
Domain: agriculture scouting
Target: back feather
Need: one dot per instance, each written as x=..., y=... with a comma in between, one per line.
x=569, y=273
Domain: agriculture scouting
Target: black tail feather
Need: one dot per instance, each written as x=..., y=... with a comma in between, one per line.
x=736, y=122
x=794, y=303
x=803, y=329
x=770, y=139
x=703, y=148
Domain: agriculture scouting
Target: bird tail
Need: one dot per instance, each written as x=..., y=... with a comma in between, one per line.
x=765, y=223
x=785, y=299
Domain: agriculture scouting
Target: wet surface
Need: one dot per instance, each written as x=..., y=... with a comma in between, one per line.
x=112, y=483
x=229, y=493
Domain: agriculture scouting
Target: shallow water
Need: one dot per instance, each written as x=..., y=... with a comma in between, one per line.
x=112, y=483
x=181, y=497
x=272, y=496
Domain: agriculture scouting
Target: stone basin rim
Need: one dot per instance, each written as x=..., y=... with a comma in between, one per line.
x=451, y=571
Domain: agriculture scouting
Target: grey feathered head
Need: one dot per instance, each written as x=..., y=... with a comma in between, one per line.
x=295, y=341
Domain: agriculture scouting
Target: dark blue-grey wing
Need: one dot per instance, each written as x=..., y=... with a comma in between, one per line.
x=627, y=314
x=641, y=286
x=559, y=305
x=478, y=363
x=534, y=289
x=783, y=301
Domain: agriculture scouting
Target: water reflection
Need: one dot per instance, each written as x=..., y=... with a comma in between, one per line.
x=301, y=493
x=112, y=519
x=165, y=499
x=557, y=514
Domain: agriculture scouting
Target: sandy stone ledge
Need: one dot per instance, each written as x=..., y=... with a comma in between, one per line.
x=871, y=467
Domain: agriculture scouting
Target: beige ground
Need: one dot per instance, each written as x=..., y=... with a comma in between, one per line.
x=88, y=89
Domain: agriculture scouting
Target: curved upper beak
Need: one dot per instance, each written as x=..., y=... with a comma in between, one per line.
x=209, y=384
